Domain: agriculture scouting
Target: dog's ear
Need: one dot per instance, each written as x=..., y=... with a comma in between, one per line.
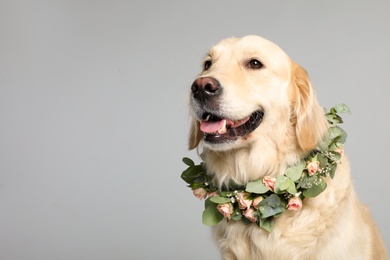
x=311, y=124
x=195, y=135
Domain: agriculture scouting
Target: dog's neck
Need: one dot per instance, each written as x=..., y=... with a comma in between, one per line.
x=244, y=164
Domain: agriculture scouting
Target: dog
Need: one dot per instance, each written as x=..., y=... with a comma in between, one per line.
x=254, y=113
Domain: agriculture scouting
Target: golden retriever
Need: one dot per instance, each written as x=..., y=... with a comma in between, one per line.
x=272, y=120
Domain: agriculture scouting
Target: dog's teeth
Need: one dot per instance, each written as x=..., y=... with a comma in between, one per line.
x=208, y=117
x=223, y=129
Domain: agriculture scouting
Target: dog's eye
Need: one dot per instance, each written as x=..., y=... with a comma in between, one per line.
x=255, y=64
x=207, y=64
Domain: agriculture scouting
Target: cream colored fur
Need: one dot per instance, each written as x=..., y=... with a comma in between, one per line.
x=333, y=225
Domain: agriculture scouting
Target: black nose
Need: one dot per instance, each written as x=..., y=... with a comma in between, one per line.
x=206, y=88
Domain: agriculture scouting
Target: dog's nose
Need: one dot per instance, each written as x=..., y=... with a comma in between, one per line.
x=204, y=88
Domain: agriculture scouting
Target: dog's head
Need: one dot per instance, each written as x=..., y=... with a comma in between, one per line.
x=250, y=89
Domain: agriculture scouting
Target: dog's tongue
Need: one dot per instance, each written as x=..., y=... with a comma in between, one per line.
x=212, y=126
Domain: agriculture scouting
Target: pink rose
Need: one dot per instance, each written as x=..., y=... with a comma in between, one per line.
x=269, y=182
x=200, y=193
x=294, y=203
x=250, y=214
x=243, y=202
x=226, y=209
x=256, y=202
x=313, y=167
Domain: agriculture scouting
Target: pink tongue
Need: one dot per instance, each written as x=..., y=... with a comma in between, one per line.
x=211, y=126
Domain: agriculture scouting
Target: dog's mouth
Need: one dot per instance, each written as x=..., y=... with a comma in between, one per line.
x=220, y=130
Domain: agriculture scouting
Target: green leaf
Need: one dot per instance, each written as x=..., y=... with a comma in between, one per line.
x=343, y=138
x=284, y=184
x=271, y=206
x=188, y=161
x=274, y=211
x=342, y=108
x=303, y=181
x=220, y=200
x=267, y=224
x=295, y=172
x=325, y=143
x=291, y=188
x=280, y=185
x=273, y=200
x=236, y=215
x=227, y=194
x=322, y=159
x=315, y=189
x=208, y=202
x=334, y=156
x=333, y=119
x=332, y=170
x=335, y=132
x=337, y=135
x=192, y=173
x=257, y=187
x=196, y=185
x=211, y=216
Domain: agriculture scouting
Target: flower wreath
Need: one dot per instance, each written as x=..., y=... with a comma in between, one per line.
x=262, y=200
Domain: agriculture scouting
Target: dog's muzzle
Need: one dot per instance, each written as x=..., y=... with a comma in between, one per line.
x=219, y=128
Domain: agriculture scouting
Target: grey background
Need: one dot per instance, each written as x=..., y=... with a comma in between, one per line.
x=94, y=121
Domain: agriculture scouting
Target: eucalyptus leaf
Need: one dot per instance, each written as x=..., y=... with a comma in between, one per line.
x=325, y=143
x=208, y=202
x=343, y=137
x=192, y=173
x=334, y=156
x=333, y=146
x=196, y=185
x=291, y=187
x=332, y=170
x=257, y=187
x=280, y=184
x=236, y=215
x=286, y=184
x=271, y=206
x=268, y=224
x=272, y=211
x=304, y=181
x=219, y=200
x=315, y=189
x=295, y=172
x=342, y=108
x=334, y=119
x=335, y=132
x=227, y=194
x=322, y=159
x=272, y=200
x=338, y=136
x=211, y=216
x=188, y=161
